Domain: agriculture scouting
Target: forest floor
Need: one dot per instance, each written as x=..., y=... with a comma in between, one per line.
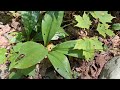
x=83, y=69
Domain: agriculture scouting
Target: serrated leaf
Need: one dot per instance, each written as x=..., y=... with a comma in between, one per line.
x=116, y=26
x=2, y=55
x=29, y=54
x=61, y=64
x=51, y=24
x=89, y=55
x=103, y=16
x=67, y=48
x=29, y=20
x=110, y=32
x=103, y=30
x=89, y=45
x=83, y=22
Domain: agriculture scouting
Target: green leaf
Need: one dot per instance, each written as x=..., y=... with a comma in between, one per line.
x=51, y=24
x=66, y=45
x=61, y=64
x=38, y=37
x=14, y=37
x=110, y=32
x=71, y=52
x=29, y=20
x=103, y=30
x=83, y=22
x=14, y=54
x=60, y=34
x=17, y=47
x=15, y=75
x=89, y=45
x=29, y=54
x=2, y=55
x=39, y=24
x=58, y=15
x=105, y=47
x=12, y=58
x=116, y=26
x=89, y=55
x=19, y=73
x=103, y=16
x=28, y=71
x=67, y=48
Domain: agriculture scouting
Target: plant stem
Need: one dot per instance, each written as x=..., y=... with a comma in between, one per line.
x=68, y=25
x=67, y=21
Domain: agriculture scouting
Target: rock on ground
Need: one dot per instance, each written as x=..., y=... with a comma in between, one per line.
x=111, y=69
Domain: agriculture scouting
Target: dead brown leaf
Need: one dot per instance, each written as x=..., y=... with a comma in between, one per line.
x=42, y=67
x=116, y=41
x=100, y=61
x=3, y=71
x=15, y=24
x=4, y=29
x=3, y=42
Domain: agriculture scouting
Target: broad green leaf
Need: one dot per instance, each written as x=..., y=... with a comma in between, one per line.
x=2, y=55
x=58, y=15
x=103, y=30
x=17, y=47
x=19, y=73
x=15, y=75
x=103, y=16
x=28, y=71
x=50, y=25
x=71, y=52
x=30, y=54
x=38, y=37
x=14, y=54
x=29, y=20
x=61, y=64
x=116, y=26
x=60, y=34
x=83, y=22
x=12, y=58
x=66, y=45
x=89, y=45
x=67, y=48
